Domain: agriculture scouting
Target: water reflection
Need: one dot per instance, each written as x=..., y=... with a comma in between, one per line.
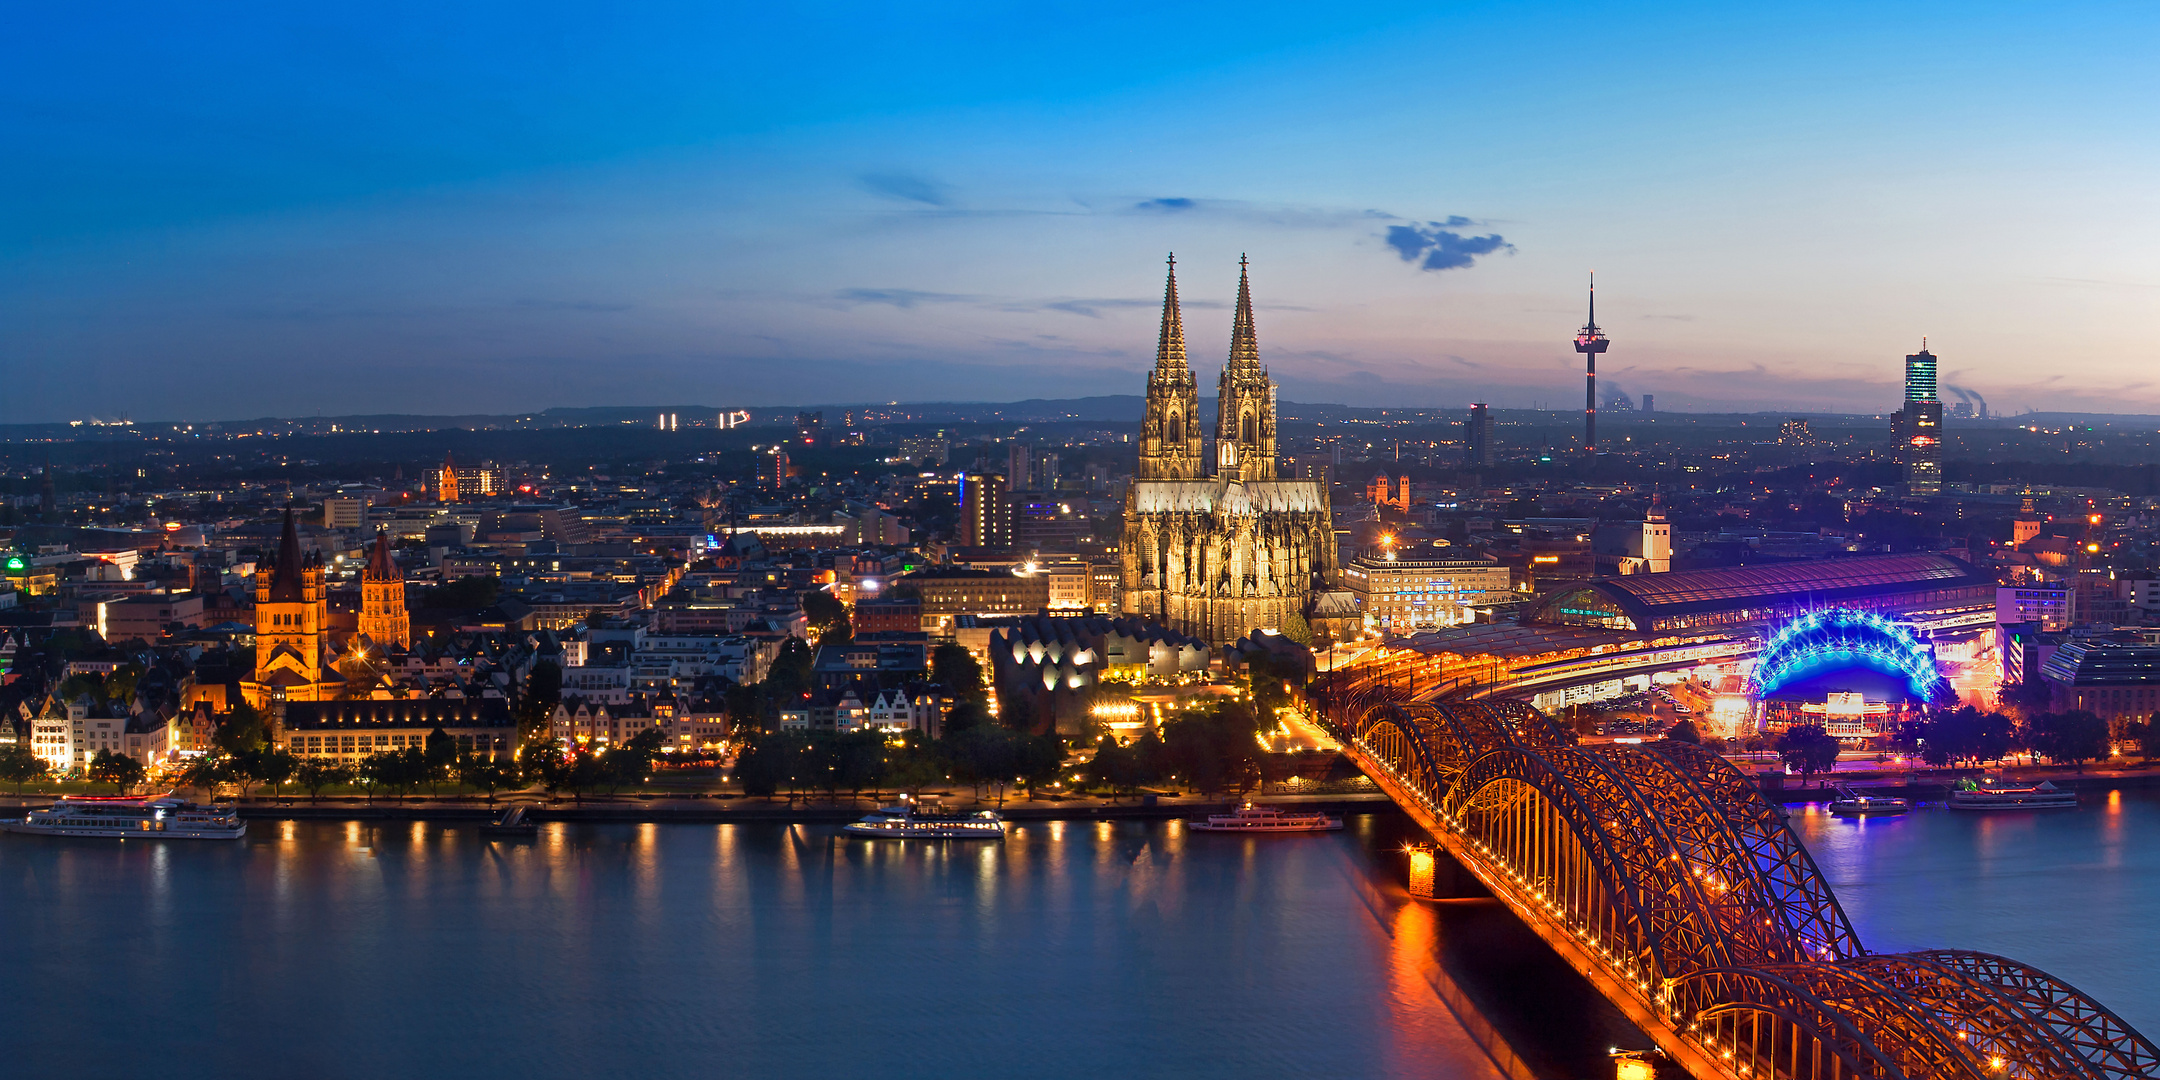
x=659, y=951
x=2063, y=890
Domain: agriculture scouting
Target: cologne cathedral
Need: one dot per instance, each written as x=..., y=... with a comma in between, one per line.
x=1219, y=551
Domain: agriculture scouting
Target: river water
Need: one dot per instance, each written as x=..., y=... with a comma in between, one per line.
x=350, y=949
x=2071, y=892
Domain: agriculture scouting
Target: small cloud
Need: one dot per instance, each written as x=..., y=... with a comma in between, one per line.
x=1093, y=308
x=1463, y=362
x=1165, y=204
x=572, y=305
x=899, y=298
x=1439, y=248
x=906, y=187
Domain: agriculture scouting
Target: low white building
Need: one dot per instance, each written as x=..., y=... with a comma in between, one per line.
x=896, y=710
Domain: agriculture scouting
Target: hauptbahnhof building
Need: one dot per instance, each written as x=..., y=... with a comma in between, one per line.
x=1589, y=639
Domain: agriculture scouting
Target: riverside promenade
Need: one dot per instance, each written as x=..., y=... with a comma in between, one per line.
x=727, y=807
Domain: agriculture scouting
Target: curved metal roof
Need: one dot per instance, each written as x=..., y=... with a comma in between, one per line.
x=1648, y=597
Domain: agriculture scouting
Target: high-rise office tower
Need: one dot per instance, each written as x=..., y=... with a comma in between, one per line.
x=1590, y=341
x=1017, y=469
x=1649, y=403
x=986, y=511
x=1918, y=426
x=1920, y=375
x=1481, y=440
x=772, y=469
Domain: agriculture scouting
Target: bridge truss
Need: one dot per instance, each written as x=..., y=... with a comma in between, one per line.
x=1661, y=873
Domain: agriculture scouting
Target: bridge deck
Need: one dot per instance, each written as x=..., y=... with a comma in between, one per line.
x=1631, y=997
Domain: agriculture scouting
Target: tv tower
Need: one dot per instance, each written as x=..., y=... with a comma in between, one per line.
x=1590, y=341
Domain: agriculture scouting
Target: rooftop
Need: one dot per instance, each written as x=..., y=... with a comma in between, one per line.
x=1646, y=598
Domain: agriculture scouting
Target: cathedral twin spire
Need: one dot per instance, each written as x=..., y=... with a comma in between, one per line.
x=1170, y=438
x=1171, y=444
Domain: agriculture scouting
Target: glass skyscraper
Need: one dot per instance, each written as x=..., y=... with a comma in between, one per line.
x=1920, y=375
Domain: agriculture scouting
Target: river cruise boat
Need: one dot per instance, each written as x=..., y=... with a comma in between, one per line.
x=906, y=821
x=1996, y=793
x=1850, y=803
x=157, y=817
x=1267, y=819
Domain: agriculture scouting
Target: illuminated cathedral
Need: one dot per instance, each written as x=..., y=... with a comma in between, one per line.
x=1219, y=548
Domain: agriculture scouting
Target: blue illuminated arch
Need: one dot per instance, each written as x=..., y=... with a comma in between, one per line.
x=1838, y=638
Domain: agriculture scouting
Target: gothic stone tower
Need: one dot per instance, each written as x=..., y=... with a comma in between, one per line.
x=1244, y=400
x=290, y=626
x=446, y=483
x=1170, y=432
x=383, y=617
x=1219, y=555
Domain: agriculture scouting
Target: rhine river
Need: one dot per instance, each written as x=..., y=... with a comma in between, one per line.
x=329, y=949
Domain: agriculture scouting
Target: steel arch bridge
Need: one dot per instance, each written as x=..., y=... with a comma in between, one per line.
x=1661, y=873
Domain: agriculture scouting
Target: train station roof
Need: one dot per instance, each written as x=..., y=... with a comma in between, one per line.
x=1656, y=601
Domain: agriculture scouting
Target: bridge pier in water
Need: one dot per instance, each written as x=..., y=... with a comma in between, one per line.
x=1662, y=875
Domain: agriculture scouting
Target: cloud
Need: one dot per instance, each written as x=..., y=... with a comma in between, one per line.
x=573, y=305
x=900, y=298
x=906, y=187
x=1440, y=248
x=1165, y=204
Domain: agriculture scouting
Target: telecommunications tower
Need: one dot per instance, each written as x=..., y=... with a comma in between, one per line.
x=1590, y=341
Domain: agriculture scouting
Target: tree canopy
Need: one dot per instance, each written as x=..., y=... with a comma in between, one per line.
x=1807, y=748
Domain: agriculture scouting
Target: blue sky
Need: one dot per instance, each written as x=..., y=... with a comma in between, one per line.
x=233, y=210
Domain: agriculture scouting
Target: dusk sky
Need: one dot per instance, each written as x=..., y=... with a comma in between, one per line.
x=219, y=211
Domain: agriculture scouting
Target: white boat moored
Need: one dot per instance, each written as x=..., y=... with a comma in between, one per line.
x=151, y=817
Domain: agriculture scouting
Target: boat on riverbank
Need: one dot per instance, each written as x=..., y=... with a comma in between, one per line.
x=905, y=821
x=1850, y=803
x=1997, y=793
x=155, y=817
x=1267, y=819
x=512, y=822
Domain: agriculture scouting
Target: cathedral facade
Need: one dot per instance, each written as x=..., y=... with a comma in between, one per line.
x=1215, y=545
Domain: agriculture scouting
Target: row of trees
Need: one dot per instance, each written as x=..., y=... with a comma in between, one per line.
x=974, y=747
x=1968, y=736
x=986, y=757
x=1208, y=750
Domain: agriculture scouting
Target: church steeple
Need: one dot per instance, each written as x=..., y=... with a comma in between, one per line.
x=383, y=617
x=1244, y=399
x=447, y=483
x=1170, y=343
x=1170, y=439
x=1244, y=340
x=285, y=572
